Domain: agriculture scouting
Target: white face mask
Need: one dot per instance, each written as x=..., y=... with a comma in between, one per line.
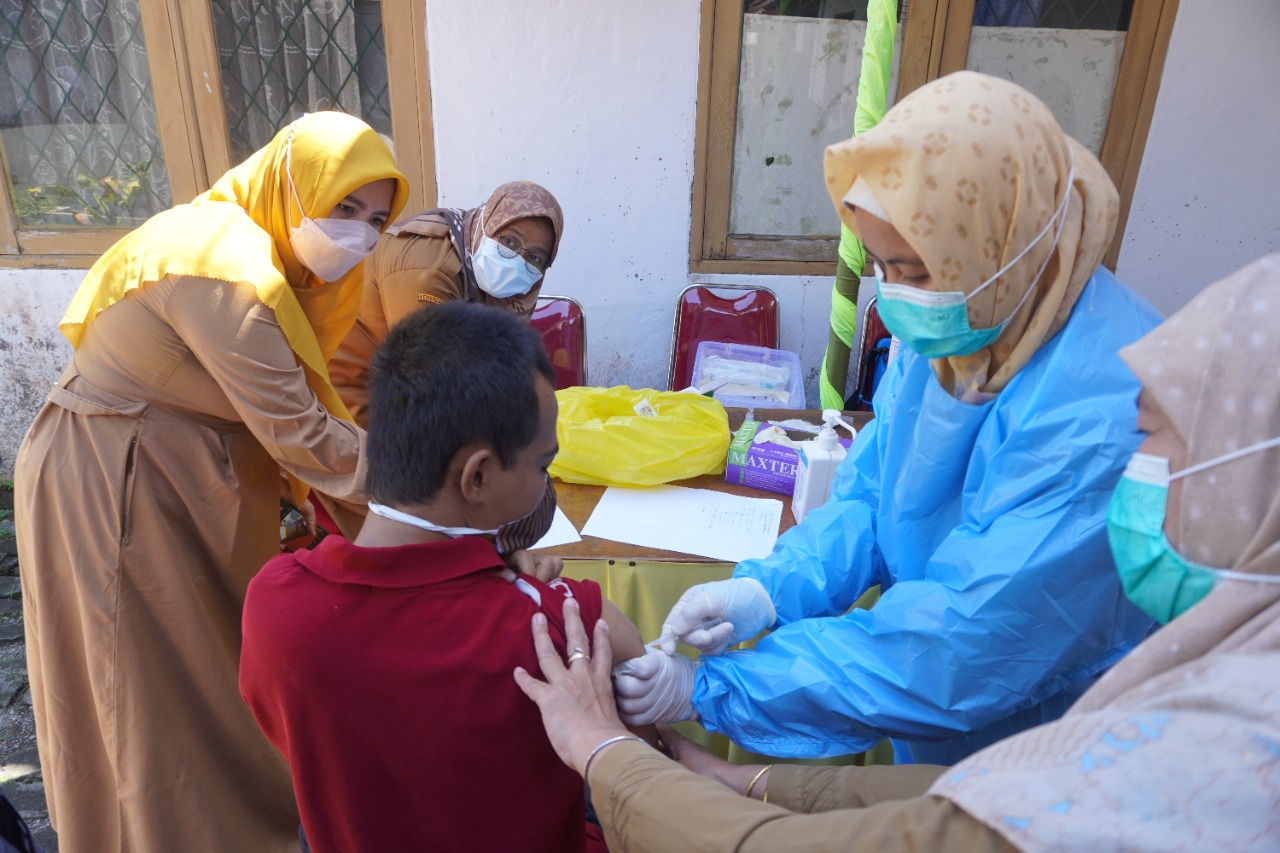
x=330, y=248
x=498, y=275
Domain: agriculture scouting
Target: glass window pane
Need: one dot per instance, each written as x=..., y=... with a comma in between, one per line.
x=1065, y=51
x=797, y=88
x=283, y=58
x=77, y=116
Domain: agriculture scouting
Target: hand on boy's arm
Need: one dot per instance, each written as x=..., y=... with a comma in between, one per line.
x=625, y=642
x=542, y=567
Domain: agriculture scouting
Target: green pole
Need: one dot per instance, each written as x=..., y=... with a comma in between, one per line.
x=873, y=97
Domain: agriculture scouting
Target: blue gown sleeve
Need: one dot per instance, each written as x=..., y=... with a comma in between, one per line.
x=1018, y=600
x=822, y=565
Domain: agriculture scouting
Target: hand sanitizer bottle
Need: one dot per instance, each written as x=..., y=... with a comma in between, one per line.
x=817, y=466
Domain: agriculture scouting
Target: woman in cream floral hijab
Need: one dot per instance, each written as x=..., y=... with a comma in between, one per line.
x=1176, y=748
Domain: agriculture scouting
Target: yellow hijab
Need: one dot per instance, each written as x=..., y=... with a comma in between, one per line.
x=970, y=169
x=239, y=231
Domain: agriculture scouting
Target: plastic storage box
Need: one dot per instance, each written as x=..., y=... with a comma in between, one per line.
x=747, y=376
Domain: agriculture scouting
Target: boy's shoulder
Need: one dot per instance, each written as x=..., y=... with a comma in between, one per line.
x=550, y=597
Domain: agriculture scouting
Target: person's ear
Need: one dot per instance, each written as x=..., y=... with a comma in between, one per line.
x=477, y=465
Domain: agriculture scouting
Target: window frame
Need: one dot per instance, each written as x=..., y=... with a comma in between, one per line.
x=186, y=82
x=935, y=42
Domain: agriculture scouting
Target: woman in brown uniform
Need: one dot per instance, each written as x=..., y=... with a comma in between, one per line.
x=495, y=254
x=148, y=489
x=1176, y=748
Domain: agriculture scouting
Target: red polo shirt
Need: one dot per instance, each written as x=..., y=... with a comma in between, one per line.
x=384, y=676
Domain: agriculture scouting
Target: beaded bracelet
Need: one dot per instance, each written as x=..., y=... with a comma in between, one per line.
x=755, y=779
x=586, y=768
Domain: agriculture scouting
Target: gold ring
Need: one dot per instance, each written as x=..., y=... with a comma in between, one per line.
x=579, y=654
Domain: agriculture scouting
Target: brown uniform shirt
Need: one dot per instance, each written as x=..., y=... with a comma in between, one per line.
x=408, y=270
x=148, y=493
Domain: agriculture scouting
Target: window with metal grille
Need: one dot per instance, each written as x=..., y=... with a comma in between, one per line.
x=113, y=110
x=283, y=58
x=77, y=116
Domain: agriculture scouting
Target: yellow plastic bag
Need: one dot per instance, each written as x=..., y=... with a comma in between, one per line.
x=605, y=442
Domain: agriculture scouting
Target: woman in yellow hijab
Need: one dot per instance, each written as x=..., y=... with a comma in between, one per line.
x=148, y=488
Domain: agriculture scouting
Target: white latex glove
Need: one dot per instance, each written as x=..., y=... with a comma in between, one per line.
x=741, y=603
x=654, y=688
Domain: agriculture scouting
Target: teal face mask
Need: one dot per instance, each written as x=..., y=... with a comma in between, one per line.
x=936, y=325
x=1156, y=578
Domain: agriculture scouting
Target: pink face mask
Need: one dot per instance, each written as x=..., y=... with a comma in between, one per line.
x=330, y=248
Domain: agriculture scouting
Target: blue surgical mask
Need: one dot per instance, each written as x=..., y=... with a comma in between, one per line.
x=500, y=276
x=936, y=325
x=1156, y=578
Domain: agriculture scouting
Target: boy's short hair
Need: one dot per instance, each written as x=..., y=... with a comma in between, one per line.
x=447, y=376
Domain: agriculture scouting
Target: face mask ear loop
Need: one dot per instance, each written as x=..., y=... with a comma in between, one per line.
x=1227, y=457
x=1247, y=577
x=288, y=173
x=1060, y=218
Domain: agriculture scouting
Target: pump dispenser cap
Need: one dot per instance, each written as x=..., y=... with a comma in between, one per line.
x=831, y=418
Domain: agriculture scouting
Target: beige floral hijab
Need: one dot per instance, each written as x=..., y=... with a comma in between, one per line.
x=970, y=169
x=1178, y=746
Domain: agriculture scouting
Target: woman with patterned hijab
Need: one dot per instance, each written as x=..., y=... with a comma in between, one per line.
x=976, y=498
x=148, y=489
x=495, y=254
x=1176, y=748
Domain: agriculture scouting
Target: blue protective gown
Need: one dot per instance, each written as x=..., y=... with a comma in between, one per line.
x=985, y=526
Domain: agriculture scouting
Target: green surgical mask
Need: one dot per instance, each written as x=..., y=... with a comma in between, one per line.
x=1156, y=578
x=936, y=324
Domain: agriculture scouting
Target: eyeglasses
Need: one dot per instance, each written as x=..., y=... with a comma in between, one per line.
x=509, y=247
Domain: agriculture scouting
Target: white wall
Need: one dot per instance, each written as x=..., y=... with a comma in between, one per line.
x=1207, y=200
x=32, y=352
x=596, y=101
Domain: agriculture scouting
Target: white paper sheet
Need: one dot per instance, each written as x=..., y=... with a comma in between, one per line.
x=696, y=521
x=562, y=532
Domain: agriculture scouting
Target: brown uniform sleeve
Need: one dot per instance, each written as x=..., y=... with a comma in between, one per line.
x=650, y=804
x=823, y=789
x=403, y=274
x=238, y=341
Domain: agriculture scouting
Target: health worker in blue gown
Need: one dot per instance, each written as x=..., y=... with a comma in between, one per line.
x=977, y=497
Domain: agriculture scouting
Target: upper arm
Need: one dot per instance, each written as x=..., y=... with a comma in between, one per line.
x=625, y=643
x=406, y=290
x=240, y=344
x=624, y=636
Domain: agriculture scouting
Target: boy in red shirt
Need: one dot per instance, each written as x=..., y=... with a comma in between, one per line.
x=381, y=668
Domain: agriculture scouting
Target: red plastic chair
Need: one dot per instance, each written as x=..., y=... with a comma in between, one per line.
x=563, y=326
x=872, y=335
x=748, y=315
